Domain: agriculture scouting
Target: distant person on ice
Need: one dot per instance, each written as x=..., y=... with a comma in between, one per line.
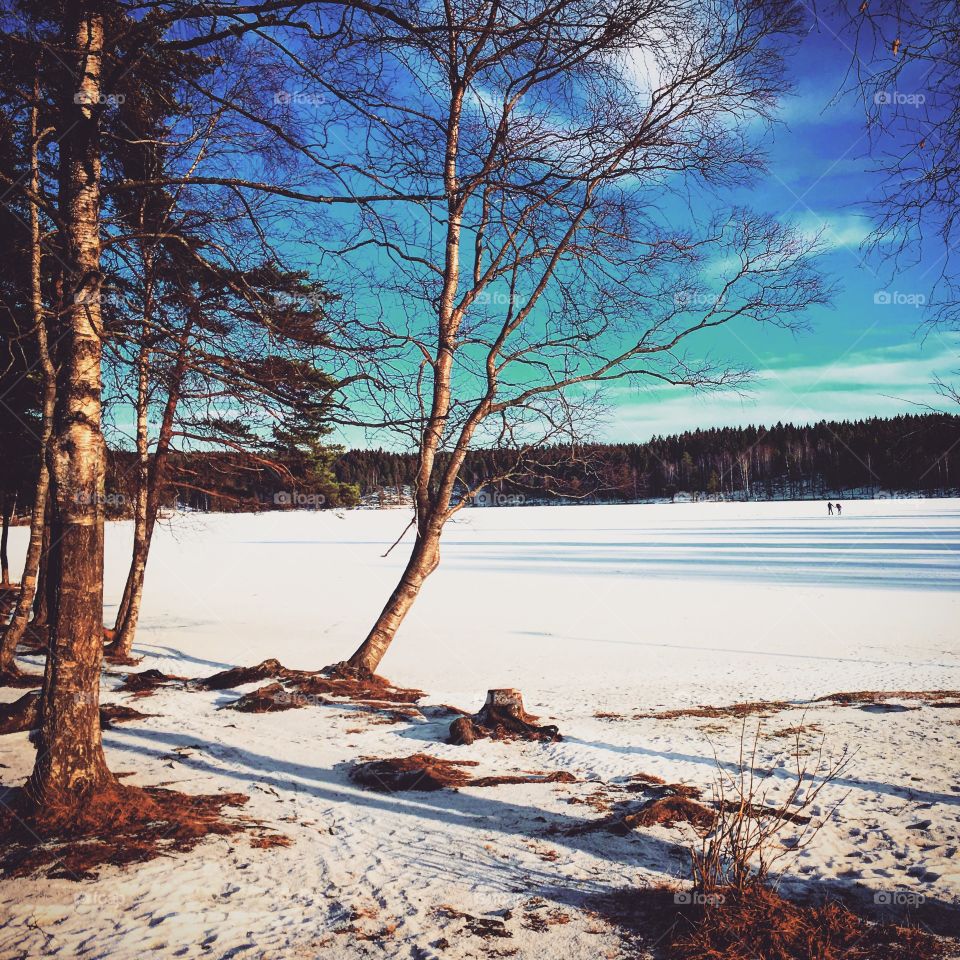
x=839, y=510
x=830, y=509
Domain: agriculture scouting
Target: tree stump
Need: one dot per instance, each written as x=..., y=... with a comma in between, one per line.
x=502, y=717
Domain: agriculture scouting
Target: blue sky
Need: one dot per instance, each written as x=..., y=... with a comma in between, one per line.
x=862, y=357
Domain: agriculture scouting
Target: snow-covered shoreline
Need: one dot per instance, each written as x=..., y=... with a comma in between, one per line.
x=618, y=610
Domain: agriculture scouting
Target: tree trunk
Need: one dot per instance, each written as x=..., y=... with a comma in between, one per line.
x=125, y=628
x=28, y=582
x=8, y=502
x=70, y=764
x=138, y=560
x=151, y=478
x=423, y=561
x=41, y=603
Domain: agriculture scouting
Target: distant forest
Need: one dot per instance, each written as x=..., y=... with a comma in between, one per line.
x=905, y=454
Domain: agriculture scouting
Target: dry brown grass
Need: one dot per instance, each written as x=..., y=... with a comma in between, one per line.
x=266, y=841
x=731, y=710
x=758, y=923
x=117, y=825
x=878, y=696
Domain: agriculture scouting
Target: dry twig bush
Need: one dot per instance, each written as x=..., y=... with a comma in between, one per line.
x=743, y=848
x=735, y=911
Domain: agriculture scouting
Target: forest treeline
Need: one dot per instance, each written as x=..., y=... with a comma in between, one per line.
x=910, y=453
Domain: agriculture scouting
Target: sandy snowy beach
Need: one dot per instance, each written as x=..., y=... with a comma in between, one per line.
x=598, y=614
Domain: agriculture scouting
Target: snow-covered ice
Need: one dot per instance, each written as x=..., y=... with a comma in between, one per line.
x=615, y=610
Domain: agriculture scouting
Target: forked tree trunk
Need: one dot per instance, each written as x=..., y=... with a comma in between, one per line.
x=424, y=559
x=70, y=764
x=28, y=582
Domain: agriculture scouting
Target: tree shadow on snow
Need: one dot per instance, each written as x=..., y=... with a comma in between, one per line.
x=434, y=855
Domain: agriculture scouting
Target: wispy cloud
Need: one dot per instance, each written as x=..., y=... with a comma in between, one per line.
x=837, y=231
x=880, y=382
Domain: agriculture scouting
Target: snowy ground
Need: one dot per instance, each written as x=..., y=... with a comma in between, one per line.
x=615, y=610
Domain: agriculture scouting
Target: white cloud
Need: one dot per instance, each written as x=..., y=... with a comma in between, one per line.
x=882, y=382
x=837, y=231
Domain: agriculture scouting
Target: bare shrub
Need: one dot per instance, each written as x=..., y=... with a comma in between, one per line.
x=756, y=827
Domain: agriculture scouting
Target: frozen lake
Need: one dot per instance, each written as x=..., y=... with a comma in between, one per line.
x=613, y=610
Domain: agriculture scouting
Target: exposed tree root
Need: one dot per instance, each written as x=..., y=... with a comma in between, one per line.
x=147, y=682
x=554, y=776
x=424, y=772
x=643, y=781
x=16, y=678
x=116, y=825
x=485, y=928
x=369, y=689
x=22, y=714
x=332, y=681
x=292, y=689
x=760, y=923
x=267, y=840
x=666, y=804
x=417, y=772
x=238, y=676
x=934, y=698
x=111, y=713
x=667, y=811
x=269, y=699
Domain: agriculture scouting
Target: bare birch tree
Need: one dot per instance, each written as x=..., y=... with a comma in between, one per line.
x=557, y=229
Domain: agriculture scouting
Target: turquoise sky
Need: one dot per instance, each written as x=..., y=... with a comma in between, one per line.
x=871, y=353
x=863, y=357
